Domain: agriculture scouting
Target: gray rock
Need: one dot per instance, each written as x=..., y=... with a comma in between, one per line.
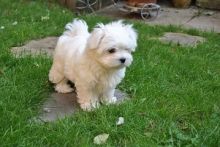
x=59, y=106
x=182, y=39
x=35, y=47
x=209, y=13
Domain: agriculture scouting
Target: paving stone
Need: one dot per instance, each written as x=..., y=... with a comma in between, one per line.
x=206, y=22
x=181, y=39
x=192, y=17
x=35, y=47
x=59, y=106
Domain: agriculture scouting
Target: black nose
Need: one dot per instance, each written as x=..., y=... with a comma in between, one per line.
x=122, y=60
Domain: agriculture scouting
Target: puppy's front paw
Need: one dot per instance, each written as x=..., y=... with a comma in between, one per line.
x=89, y=106
x=55, y=77
x=112, y=100
x=86, y=106
x=63, y=88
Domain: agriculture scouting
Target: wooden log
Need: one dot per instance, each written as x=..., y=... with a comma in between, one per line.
x=181, y=3
x=70, y=4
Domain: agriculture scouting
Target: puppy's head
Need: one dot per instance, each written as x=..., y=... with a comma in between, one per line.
x=112, y=44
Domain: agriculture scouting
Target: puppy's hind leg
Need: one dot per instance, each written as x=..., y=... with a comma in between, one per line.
x=56, y=76
x=63, y=86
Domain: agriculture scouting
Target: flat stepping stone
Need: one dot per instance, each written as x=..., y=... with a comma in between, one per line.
x=59, y=106
x=36, y=47
x=181, y=39
x=48, y=44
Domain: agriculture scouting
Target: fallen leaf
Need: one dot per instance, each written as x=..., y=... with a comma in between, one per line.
x=142, y=113
x=47, y=110
x=14, y=23
x=148, y=134
x=37, y=65
x=120, y=121
x=216, y=109
x=101, y=139
x=45, y=18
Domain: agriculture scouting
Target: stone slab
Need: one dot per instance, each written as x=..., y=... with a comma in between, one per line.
x=173, y=16
x=182, y=39
x=207, y=23
x=58, y=106
x=35, y=47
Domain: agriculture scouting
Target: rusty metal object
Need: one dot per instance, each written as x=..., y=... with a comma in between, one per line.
x=148, y=11
x=136, y=3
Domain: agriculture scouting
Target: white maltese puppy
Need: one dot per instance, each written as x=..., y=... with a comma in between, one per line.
x=95, y=62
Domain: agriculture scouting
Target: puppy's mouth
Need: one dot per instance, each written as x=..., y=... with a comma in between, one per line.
x=126, y=64
x=117, y=65
x=122, y=65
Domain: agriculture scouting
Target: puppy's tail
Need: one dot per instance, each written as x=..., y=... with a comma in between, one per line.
x=76, y=27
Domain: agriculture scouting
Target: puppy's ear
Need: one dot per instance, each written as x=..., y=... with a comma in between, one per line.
x=96, y=37
x=129, y=28
x=132, y=34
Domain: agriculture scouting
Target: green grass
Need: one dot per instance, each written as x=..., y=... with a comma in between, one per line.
x=175, y=90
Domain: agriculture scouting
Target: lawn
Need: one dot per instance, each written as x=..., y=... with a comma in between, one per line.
x=174, y=90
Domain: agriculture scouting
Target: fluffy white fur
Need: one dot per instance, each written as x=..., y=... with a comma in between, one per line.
x=94, y=62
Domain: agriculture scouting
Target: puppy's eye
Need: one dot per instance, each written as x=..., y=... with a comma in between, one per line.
x=112, y=50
